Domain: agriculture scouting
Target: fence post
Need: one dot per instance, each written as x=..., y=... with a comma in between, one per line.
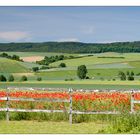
x=7, y=106
x=70, y=109
x=132, y=102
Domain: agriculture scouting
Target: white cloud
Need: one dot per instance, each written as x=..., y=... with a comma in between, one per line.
x=68, y=40
x=13, y=35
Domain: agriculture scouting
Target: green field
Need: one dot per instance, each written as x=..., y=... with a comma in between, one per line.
x=11, y=66
x=101, y=71
x=117, y=85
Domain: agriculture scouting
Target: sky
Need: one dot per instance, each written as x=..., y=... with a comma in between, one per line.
x=82, y=24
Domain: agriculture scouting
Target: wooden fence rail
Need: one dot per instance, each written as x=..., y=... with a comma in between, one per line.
x=70, y=110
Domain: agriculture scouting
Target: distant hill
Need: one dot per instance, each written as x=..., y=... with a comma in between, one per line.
x=72, y=47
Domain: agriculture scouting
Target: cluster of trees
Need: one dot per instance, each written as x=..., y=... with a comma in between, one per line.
x=128, y=76
x=47, y=60
x=13, y=57
x=72, y=47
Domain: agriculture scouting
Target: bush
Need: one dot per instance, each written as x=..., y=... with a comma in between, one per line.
x=35, y=69
x=39, y=79
x=122, y=76
x=3, y=78
x=130, y=78
x=24, y=78
x=11, y=78
x=69, y=79
x=62, y=65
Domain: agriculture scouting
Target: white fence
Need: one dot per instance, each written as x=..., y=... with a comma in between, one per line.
x=70, y=110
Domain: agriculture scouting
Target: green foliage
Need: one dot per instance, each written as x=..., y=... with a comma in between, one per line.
x=24, y=78
x=35, y=69
x=132, y=73
x=72, y=47
x=3, y=78
x=62, y=65
x=48, y=60
x=39, y=79
x=122, y=76
x=125, y=123
x=131, y=78
x=14, y=57
x=82, y=71
x=127, y=73
x=11, y=78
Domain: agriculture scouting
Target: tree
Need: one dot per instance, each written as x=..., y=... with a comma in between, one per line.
x=35, y=69
x=132, y=73
x=131, y=78
x=3, y=78
x=122, y=76
x=82, y=71
x=11, y=78
x=62, y=65
x=127, y=73
x=24, y=78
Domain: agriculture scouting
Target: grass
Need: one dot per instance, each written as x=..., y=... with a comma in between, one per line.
x=11, y=66
x=123, y=85
x=95, y=60
x=35, y=127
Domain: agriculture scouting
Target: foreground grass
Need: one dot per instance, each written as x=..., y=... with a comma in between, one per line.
x=85, y=84
x=35, y=127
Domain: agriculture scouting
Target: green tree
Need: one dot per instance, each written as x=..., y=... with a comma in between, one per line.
x=82, y=71
x=62, y=65
x=3, y=78
x=35, y=69
x=127, y=73
x=24, y=78
x=122, y=76
x=132, y=73
x=131, y=78
x=11, y=78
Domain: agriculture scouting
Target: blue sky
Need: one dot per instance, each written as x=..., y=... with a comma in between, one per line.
x=83, y=24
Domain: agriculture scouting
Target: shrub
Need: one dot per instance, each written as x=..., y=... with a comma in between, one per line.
x=39, y=79
x=130, y=78
x=122, y=76
x=35, y=69
x=3, y=78
x=11, y=78
x=24, y=78
x=62, y=65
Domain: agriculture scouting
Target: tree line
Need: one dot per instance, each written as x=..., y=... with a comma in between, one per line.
x=13, y=57
x=72, y=47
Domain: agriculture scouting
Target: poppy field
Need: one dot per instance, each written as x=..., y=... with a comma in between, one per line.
x=115, y=101
x=81, y=101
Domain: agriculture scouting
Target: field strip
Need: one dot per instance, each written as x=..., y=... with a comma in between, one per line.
x=79, y=82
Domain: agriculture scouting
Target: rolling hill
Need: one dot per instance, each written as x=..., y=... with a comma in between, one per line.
x=11, y=66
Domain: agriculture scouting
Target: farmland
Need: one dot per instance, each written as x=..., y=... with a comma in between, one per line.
x=102, y=68
x=103, y=71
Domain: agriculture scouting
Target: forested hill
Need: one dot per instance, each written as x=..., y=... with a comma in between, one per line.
x=72, y=47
